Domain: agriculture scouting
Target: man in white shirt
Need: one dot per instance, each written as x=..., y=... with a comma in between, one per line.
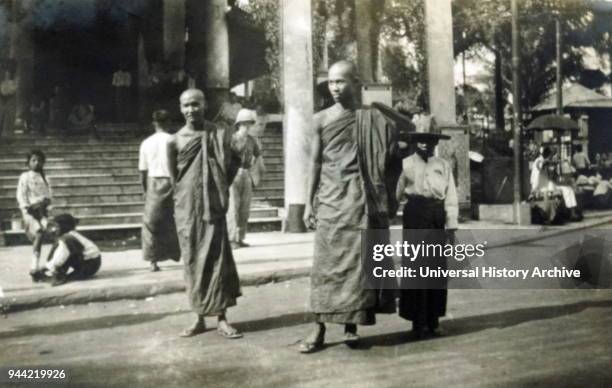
x=430, y=215
x=122, y=82
x=159, y=237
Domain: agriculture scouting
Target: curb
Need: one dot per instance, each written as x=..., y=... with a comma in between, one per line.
x=140, y=291
x=546, y=233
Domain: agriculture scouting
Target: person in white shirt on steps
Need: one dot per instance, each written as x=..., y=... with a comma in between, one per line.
x=159, y=236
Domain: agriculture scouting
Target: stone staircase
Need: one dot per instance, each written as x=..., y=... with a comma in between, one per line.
x=98, y=182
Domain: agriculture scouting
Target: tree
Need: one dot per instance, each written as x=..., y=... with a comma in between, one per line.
x=404, y=53
x=488, y=23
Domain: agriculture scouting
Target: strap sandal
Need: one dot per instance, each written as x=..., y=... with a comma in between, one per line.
x=230, y=333
x=196, y=329
x=307, y=347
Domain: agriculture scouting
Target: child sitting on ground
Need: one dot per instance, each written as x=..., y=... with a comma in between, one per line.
x=34, y=198
x=71, y=250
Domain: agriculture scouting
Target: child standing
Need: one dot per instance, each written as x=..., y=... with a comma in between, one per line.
x=34, y=198
x=71, y=251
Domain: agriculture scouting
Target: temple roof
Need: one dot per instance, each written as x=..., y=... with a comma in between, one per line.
x=575, y=96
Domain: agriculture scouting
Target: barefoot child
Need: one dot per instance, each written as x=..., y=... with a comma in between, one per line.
x=34, y=198
x=71, y=251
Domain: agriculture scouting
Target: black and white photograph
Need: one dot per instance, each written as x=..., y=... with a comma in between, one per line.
x=305, y=193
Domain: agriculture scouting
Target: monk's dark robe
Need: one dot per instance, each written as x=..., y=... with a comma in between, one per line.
x=356, y=151
x=206, y=166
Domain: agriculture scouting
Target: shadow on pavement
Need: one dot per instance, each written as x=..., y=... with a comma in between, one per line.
x=275, y=322
x=87, y=324
x=498, y=320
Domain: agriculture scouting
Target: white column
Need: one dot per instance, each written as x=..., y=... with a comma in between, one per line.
x=297, y=73
x=440, y=60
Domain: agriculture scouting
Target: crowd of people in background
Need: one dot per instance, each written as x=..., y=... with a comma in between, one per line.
x=562, y=188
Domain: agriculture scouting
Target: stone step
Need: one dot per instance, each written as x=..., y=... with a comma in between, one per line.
x=75, y=189
x=53, y=172
x=91, y=155
x=92, y=179
x=7, y=151
x=62, y=189
x=53, y=163
x=131, y=146
x=9, y=201
x=87, y=210
x=15, y=168
x=116, y=175
x=272, y=169
x=102, y=158
x=131, y=232
x=270, y=138
x=269, y=180
x=65, y=199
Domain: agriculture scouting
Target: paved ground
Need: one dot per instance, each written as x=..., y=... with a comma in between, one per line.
x=273, y=256
x=123, y=274
x=496, y=338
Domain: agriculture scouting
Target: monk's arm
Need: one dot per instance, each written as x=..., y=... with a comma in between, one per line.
x=314, y=169
x=172, y=152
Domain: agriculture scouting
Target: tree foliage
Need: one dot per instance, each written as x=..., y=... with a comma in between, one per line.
x=476, y=23
x=488, y=23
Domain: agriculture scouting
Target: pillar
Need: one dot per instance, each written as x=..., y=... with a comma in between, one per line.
x=440, y=60
x=297, y=76
x=22, y=48
x=441, y=87
x=174, y=32
x=367, y=39
x=216, y=39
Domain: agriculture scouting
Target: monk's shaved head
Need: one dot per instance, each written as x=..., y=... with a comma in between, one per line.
x=197, y=93
x=343, y=82
x=193, y=105
x=345, y=68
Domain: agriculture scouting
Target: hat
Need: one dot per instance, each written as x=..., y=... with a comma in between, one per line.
x=426, y=130
x=245, y=115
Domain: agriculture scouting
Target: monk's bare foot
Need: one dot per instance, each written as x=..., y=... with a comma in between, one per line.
x=155, y=267
x=314, y=341
x=227, y=330
x=197, y=328
x=350, y=334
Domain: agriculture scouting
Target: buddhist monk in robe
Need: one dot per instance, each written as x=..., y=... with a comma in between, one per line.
x=203, y=162
x=355, y=166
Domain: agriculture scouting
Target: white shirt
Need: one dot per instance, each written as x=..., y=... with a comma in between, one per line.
x=539, y=179
x=153, y=156
x=32, y=189
x=431, y=179
x=62, y=253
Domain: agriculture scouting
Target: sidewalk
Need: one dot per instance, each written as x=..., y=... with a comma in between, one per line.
x=272, y=257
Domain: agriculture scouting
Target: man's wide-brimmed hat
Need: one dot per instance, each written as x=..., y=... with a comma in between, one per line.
x=426, y=130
